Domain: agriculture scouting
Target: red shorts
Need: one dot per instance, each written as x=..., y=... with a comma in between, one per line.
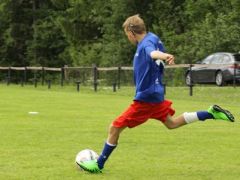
x=139, y=112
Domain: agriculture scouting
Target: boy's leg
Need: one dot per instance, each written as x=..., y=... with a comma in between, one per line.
x=137, y=113
x=214, y=112
x=114, y=133
x=110, y=145
x=96, y=166
x=172, y=123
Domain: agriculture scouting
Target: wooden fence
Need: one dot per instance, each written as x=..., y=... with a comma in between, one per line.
x=94, y=70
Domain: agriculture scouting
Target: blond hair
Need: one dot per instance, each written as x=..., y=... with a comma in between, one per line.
x=135, y=24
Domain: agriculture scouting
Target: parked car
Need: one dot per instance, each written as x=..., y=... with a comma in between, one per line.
x=218, y=68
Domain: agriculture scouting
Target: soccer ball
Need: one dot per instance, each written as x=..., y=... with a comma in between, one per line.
x=86, y=155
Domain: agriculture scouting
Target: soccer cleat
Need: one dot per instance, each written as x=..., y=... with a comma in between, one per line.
x=90, y=166
x=219, y=113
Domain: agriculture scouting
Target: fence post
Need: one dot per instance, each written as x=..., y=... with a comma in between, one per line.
x=25, y=75
x=62, y=75
x=114, y=87
x=78, y=85
x=35, y=79
x=22, y=82
x=119, y=77
x=95, y=77
x=65, y=73
x=191, y=84
x=43, y=76
x=35, y=82
x=234, y=74
x=9, y=76
x=49, y=84
x=164, y=88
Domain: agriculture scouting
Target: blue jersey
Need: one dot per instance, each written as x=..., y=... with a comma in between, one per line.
x=147, y=72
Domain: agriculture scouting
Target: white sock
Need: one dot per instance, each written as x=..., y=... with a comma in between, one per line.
x=111, y=144
x=190, y=117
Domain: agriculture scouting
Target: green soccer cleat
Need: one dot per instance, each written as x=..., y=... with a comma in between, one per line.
x=90, y=166
x=221, y=114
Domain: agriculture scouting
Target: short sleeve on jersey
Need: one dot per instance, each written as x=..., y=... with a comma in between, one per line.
x=149, y=48
x=160, y=46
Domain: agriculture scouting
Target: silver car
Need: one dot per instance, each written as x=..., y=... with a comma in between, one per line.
x=218, y=68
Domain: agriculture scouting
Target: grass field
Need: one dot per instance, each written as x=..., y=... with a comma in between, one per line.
x=44, y=146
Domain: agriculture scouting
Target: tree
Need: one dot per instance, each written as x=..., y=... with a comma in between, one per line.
x=85, y=32
x=47, y=47
x=17, y=32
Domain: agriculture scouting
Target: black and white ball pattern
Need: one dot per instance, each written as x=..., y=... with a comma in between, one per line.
x=86, y=155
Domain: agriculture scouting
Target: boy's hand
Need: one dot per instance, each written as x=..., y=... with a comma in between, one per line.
x=170, y=59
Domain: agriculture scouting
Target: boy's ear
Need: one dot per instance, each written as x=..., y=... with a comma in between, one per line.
x=132, y=33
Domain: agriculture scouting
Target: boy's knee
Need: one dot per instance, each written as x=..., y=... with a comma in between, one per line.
x=171, y=126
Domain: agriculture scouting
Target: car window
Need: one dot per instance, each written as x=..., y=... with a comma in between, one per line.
x=207, y=60
x=237, y=57
x=226, y=59
x=217, y=59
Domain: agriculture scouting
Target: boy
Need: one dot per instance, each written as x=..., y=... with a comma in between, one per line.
x=149, y=99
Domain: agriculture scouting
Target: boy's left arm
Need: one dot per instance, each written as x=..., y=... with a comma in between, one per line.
x=169, y=58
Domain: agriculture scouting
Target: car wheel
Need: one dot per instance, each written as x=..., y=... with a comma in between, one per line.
x=188, y=79
x=219, y=79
